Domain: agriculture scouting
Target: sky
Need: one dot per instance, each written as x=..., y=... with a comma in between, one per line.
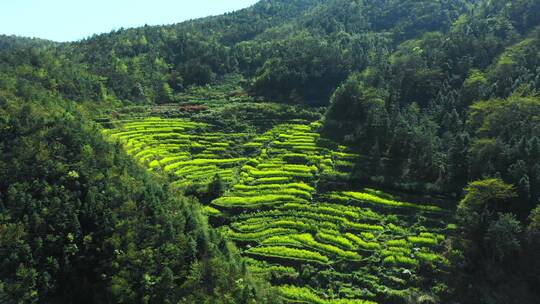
x=70, y=20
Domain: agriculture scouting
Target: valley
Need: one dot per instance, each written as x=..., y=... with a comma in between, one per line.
x=288, y=201
x=294, y=151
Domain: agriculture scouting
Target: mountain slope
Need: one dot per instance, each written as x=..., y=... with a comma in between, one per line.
x=196, y=52
x=421, y=98
x=81, y=222
x=282, y=208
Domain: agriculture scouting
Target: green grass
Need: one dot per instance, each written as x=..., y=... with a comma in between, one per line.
x=203, y=162
x=359, y=242
x=398, y=243
x=259, y=235
x=424, y=241
x=274, y=218
x=308, y=241
x=296, y=294
x=210, y=211
x=401, y=261
x=257, y=201
x=373, y=199
x=432, y=258
x=335, y=239
x=272, y=180
x=265, y=223
x=298, y=186
x=279, y=173
x=292, y=192
x=289, y=253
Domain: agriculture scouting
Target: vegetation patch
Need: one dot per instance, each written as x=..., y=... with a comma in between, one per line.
x=269, y=196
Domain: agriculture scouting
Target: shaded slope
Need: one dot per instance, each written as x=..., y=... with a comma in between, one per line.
x=81, y=222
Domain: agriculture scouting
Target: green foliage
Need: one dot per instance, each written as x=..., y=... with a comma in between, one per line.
x=306, y=68
x=533, y=229
x=361, y=243
x=293, y=293
x=474, y=87
x=491, y=239
x=422, y=241
x=254, y=202
x=353, y=101
x=400, y=260
x=289, y=253
x=444, y=72
x=82, y=222
x=374, y=199
x=483, y=199
x=502, y=236
x=216, y=187
x=508, y=125
x=434, y=94
x=335, y=239
x=482, y=192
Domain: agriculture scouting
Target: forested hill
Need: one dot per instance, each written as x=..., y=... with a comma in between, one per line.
x=422, y=65
x=302, y=50
x=292, y=50
x=417, y=97
x=8, y=43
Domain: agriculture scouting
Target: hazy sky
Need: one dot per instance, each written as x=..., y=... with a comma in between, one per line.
x=68, y=20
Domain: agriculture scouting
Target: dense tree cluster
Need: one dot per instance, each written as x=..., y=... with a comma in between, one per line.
x=449, y=106
x=453, y=106
x=81, y=222
x=292, y=50
x=500, y=254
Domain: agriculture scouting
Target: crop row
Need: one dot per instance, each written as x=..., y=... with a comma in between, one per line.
x=289, y=254
x=181, y=147
x=305, y=295
x=377, y=200
x=261, y=223
x=307, y=241
x=257, y=201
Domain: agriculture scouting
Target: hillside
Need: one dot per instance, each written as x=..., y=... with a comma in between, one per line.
x=340, y=151
x=272, y=194
x=82, y=222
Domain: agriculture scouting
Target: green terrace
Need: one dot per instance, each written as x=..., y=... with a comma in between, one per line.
x=181, y=148
x=371, y=245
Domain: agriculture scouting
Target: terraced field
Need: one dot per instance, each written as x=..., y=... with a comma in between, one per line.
x=357, y=246
x=182, y=148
